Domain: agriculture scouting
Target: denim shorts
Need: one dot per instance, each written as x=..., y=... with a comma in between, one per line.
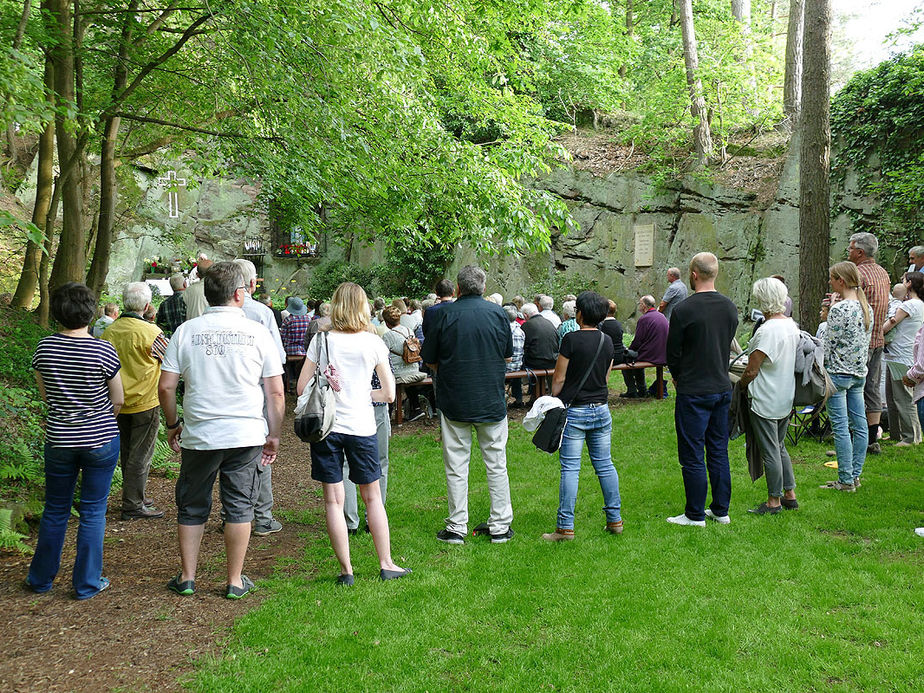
x=362, y=453
x=237, y=486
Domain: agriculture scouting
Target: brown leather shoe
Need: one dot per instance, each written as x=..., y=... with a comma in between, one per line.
x=146, y=513
x=559, y=535
x=614, y=527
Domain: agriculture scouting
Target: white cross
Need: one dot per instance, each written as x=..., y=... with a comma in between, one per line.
x=172, y=197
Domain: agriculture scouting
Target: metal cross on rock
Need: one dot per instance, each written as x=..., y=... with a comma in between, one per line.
x=173, y=200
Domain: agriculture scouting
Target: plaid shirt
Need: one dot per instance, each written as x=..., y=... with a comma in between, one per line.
x=519, y=339
x=172, y=312
x=293, y=334
x=874, y=281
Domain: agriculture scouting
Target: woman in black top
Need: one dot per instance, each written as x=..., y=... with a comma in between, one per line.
x=585, y=352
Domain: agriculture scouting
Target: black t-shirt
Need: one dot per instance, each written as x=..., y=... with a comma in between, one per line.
x=579, y=347
x=699, y=342
x=613, y=328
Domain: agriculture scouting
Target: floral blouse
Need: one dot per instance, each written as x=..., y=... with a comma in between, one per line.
x=847, y=340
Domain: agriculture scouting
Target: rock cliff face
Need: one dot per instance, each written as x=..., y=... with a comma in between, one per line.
x=751, y=239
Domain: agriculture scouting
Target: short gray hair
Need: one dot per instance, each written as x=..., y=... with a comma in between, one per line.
x=674, y=272
x=917, y=251
x=177, y=282
x=529, y=310
x=866, y=242
x=136, y=296
x=497, y=298
x=471, y=281
x=771, y=295
x=324, y=310
x=546, y=302
x=568, y=309
x=648, y=300
x=511, y=312
x=248, y=269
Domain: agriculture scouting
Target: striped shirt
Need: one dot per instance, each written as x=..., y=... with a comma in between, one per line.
x=874, y=281
x=75, y=371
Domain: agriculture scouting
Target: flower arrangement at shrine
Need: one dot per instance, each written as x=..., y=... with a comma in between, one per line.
x=295, y=249
x=154, y=265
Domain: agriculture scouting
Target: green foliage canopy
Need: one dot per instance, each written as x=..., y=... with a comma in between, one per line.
x=877, y=124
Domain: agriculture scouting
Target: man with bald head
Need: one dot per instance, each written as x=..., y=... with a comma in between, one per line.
x=698, y=341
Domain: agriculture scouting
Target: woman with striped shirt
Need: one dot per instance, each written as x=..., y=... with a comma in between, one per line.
x=78, y=377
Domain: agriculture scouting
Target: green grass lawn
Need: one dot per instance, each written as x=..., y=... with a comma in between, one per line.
x=829, y=597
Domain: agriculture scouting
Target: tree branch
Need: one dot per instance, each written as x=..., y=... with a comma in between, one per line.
x=191, y=128
x=147, y=69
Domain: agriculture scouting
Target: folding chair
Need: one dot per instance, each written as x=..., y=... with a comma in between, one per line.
x=809, y=421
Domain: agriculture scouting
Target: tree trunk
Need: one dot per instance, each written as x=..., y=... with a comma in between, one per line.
x=814, y=161
x=630, y=30
x=792, y=81
x=17, y=43
x=71, y=259
x=28, y=280
x=702, y=135
x=44, y=291
x=108, y=187
x=741, y=9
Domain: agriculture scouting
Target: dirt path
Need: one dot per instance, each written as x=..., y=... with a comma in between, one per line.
x=138, y=636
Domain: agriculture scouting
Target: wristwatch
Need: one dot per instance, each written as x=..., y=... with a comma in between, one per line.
x=176, y=425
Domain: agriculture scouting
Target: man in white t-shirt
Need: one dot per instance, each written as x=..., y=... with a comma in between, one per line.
x=264, y=523
x=223, y=358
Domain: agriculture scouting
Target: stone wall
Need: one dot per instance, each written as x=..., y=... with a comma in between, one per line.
x=219, y=215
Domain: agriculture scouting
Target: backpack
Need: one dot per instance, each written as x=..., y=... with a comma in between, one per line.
x=411, y=350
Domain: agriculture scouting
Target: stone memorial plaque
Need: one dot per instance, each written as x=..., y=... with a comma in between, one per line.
x=644, y=245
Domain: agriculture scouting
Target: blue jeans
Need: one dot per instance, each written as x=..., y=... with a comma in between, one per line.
x=847, y=414
x=95, y=465
x=593, y=424
x=702, y=424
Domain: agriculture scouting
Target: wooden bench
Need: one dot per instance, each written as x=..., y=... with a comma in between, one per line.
x=540, y=375
x=641, y=365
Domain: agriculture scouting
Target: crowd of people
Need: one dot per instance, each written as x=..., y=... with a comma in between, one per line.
x=229, y=358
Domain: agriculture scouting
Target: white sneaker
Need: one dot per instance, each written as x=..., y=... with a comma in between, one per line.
x=686, y=521
x=919, y=531
x=721, y=519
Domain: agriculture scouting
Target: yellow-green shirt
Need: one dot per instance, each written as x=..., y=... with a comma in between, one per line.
x=140, y=346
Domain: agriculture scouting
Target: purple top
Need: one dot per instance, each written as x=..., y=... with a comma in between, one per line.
x=651, y=338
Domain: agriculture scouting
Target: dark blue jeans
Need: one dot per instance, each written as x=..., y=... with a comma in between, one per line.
x=62, y=465
x=702, y=424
